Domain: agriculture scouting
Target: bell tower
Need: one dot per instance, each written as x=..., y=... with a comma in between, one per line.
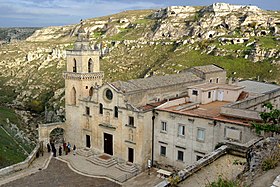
x=82, y=76
x=83, y=70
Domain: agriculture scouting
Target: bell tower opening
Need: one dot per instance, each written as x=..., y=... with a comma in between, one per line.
x=74, y=65
x=90, y=65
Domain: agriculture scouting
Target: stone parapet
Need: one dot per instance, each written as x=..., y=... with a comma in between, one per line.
x=83, y=76
x=82, y=52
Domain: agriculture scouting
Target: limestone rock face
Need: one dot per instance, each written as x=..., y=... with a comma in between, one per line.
x=174, y=11
x=259, y=54
x=111, y=31
x=33, y=68
x=50, y=33
x=224, y=8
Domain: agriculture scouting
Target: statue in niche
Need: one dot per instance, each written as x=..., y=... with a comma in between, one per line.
x=107, y=118
x=130, y=135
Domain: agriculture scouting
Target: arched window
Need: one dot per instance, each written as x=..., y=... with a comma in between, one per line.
x=116, y=112
x=100, y=108
x=73, y=96
x=90, y=65
x=75, y=65
x=90, y=92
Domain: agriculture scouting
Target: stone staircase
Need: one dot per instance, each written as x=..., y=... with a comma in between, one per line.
x=85, y=152
x=128, y=167
x=103, y=160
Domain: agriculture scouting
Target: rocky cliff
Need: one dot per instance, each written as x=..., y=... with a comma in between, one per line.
x=143, y=43
x=15, y=34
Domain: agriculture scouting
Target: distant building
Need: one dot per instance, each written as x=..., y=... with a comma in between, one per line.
x=172, y=120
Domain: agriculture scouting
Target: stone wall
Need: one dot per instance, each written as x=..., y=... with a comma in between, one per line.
x=245, y=108
x=230, y=147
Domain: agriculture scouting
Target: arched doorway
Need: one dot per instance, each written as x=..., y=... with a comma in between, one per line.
x=57, y=136
x=73, y=96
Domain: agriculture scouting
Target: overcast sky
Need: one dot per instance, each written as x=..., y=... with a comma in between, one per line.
x=43, y=13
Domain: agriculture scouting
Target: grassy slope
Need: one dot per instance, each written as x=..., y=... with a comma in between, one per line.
x=10, y=152
x=162, y=59
x=243, y=68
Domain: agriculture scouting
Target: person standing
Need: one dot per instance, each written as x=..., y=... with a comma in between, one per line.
x=64, y=147
x=60, y=151
x=54, y=152
x=49, y=147
x=74, y=150
x=69, y=147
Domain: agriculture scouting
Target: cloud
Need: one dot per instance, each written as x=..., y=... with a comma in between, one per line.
x=63, y=9
x=61, y=12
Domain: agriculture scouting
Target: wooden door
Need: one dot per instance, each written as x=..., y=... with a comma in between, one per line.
x=130, y=155
x=108, y=144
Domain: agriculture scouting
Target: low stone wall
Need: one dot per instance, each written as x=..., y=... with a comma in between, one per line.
x=188, y=171
x=240, y=149
x=21, y=165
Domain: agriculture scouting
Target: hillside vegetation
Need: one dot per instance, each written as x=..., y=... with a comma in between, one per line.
x=135, y=44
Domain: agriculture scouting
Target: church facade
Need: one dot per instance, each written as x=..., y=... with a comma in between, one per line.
x=133, y=121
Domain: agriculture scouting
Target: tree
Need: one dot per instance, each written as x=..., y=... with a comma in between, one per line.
x=271, y=120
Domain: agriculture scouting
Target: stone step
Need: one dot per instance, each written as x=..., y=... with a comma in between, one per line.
x=98, y=160
x=85, y=152
x=130, y=168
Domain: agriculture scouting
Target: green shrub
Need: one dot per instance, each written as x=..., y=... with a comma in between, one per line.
x=36, y=106
x=271, y=161
x=222, y=182
x=174, y=180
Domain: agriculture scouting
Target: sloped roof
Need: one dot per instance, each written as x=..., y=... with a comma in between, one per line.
x=155, y=82
x=258, y=87
x=208, y=68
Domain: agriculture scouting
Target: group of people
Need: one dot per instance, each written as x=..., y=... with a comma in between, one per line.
x=66, y=148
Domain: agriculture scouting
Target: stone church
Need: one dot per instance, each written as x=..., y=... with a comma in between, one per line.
x=121, y=118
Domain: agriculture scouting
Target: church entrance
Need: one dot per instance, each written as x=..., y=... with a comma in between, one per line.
x=130, y=155
x=108, y=144
x=88, y=141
